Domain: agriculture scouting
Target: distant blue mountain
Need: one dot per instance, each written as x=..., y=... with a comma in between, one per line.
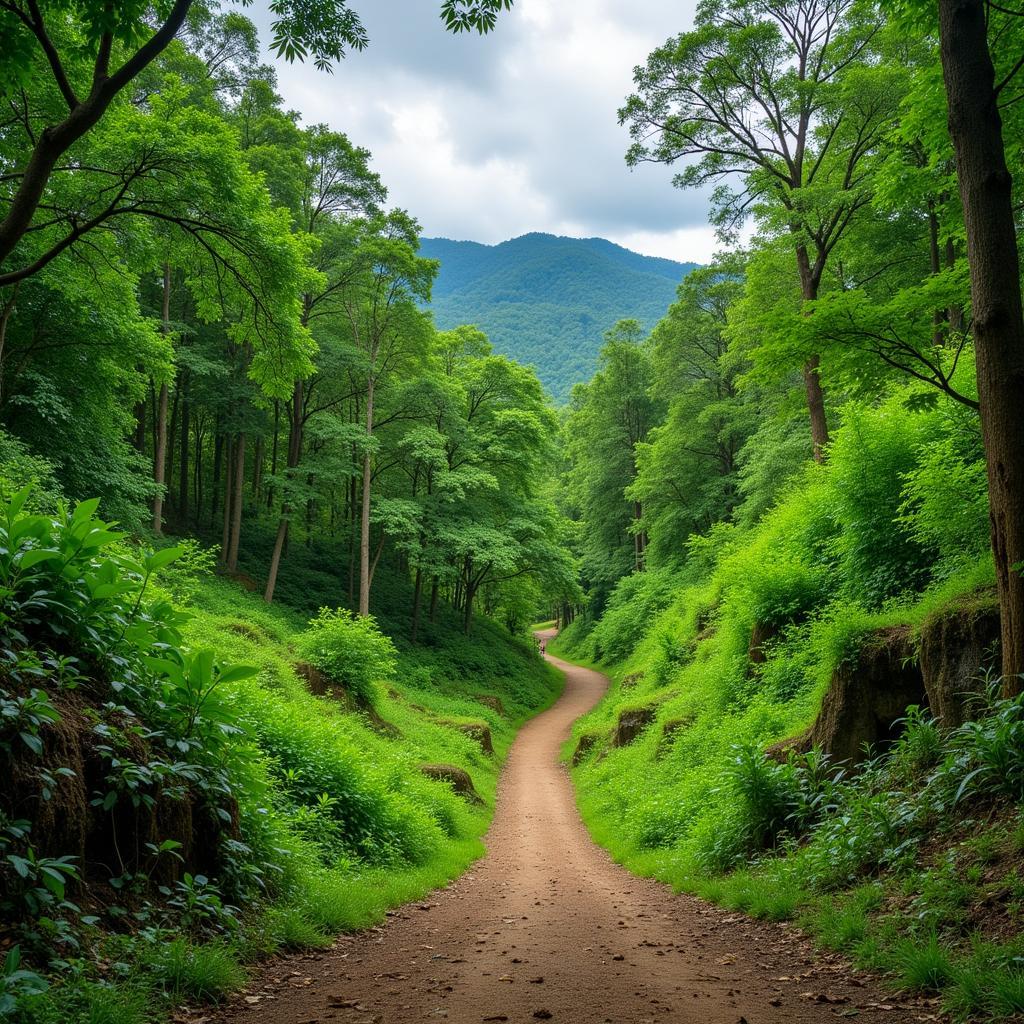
x=547, y=300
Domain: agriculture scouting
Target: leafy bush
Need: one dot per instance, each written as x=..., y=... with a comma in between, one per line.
x=350, y=650
x=870, y=458
x=945, y=498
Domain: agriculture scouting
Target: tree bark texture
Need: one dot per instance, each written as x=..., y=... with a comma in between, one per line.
x=986, y=193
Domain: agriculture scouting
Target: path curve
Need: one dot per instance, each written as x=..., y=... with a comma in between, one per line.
x=548, y=927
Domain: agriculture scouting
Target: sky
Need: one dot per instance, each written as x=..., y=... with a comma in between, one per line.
x=487, y=138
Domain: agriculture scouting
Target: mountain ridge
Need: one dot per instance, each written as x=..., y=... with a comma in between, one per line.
x=547, y=300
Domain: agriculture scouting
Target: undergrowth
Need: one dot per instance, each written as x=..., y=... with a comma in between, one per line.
x=911, y=862
x=184, y=804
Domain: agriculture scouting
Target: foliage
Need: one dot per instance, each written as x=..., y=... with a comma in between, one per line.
x=351, y=651
x=305, y=796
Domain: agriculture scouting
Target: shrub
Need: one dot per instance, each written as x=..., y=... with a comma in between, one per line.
x=350, y=650
x=920, y=747
x=945, y=498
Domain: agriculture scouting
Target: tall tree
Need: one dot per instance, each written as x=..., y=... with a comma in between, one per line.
x=384, y=282
x=86, y=54
x=975, y=94
x=761, y=92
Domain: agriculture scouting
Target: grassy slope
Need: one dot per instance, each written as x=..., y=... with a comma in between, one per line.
x=943, y=914
x=298, y=736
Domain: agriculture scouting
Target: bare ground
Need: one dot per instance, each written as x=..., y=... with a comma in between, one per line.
x=547, y=927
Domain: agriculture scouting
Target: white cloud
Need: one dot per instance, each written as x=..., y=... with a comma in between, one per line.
x=488, y=138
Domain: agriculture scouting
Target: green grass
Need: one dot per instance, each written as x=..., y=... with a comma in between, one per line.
x=197, y=973
x=383, y=834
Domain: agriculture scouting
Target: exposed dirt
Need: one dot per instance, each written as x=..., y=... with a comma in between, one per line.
x=547, y=927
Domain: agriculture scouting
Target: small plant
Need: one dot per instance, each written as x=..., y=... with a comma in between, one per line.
x=992, y=748
x=923, y=966
x=206, y=972
x=351, y=651
x=920, y=748
x=17, y=983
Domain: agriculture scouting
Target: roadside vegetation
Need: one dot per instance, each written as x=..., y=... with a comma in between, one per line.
x=211, y=808
x=793, y=507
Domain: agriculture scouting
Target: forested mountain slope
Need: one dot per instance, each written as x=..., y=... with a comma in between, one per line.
x=547, y=300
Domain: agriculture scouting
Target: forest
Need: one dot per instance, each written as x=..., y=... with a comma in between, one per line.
x=797, y=498
x=286, y=568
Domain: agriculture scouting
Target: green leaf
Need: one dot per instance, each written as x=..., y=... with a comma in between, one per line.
x=232, y=673
x=37, y=555
x=158, y=559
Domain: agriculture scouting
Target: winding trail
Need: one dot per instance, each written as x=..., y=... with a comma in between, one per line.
x=547, y=927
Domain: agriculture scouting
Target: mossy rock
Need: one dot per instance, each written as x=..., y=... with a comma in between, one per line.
x=630, y=681
x=632, y=722
x=458, y=778
x=479, y=732
x=490, y=701
x=584, y=745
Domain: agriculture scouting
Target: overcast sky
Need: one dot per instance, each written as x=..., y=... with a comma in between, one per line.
x=486, y=138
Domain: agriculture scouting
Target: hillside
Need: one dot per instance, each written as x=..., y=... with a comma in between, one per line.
x=547, y=300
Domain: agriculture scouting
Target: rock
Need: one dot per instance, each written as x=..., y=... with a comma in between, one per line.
x=762, y=634
x=628, y=682
x=457, y=777
x=632, y=722
x=955, y=644
x=478, y=731
x=492, y=702
x=866, y=698
x=584, y=745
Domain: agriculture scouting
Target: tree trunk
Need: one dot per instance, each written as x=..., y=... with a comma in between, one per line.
x=273, y=451
x=986, y=194
x=139, y=440
x=417, y=600
x=294, y=457
x=160, y=439
x=364, y=528
x=183, y=479
x=257, y=470
x=352, y=503
x=172, y=444
x=226, y=528
x=238, y=500
x=275, y=559
x=467, y=617
x=812, y=379
x=434, y=587
x=218, y=458
x=197, y=470
x=6, y=311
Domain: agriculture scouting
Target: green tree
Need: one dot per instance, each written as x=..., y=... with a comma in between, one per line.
x=783, y=98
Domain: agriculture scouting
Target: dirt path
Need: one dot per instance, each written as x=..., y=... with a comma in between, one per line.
x=547, y=927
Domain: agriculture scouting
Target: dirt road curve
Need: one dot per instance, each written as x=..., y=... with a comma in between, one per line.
x=547, y=927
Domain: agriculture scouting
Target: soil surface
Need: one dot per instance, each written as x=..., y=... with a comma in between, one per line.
x=548, y=927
